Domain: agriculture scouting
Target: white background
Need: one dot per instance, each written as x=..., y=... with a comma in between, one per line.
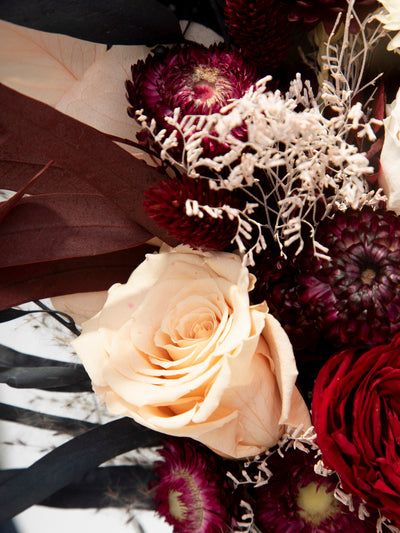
x=21, y=445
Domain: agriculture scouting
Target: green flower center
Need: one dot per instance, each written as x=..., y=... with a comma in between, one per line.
x=316, y=504
x=367, y=276
x=176, y=507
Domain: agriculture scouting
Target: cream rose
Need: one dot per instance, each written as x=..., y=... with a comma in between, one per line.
x=180, y=350
x=389, y=178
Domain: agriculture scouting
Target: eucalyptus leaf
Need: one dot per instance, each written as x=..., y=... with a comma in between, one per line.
x=37, y=419
x=117, y=486
x=10, y=358
x=70, y=462
x=44, y=377
x=109, y=486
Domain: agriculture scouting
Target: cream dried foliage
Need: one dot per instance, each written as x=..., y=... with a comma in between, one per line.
x=43, y=65
x=79, y=78
x=302, y=155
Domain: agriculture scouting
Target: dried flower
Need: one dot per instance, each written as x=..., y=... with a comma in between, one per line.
x=354, y=297
x=296, y=500
x=170, y=201
x=272, y=168
x=192, y=78
x=192, y=491
x=260, y=29
x=277, y=284
x=314, y=11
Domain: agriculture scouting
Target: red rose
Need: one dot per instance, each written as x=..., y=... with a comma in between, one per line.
x=356, y=414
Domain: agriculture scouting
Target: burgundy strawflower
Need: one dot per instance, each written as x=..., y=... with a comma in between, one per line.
x=314, y=11
x=355, y=297
x=296, y=500
x=166, y=204
x=191, y=493
x=260, y=29
x=198, y=80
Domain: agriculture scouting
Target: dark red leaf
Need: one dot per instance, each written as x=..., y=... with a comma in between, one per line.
x=58, y=226
x=85, y=160
x=5, y=207
x=19, y=284
x=67, y=228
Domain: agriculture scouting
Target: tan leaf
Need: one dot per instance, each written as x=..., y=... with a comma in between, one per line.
x=99, y=98
x=43, y=65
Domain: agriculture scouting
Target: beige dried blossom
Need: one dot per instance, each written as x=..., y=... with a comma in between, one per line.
x=291, y=161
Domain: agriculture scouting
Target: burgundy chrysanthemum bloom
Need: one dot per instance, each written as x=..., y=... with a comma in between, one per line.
x=277, y=285
x=191, y=493
x=198, y=80
x=260, y=29
x=296, y=500
x=355, y=297
x=166, y=204
x=314, y=11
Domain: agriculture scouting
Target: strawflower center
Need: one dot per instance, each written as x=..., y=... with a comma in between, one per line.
x=176, y=506
x=316, y=504
x=368, y=275
x=203, y=81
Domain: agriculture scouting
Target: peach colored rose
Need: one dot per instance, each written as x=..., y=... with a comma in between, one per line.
x=179, y=349
x=389, y=178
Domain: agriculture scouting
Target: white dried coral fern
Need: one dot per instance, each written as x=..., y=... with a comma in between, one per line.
x=293, y=160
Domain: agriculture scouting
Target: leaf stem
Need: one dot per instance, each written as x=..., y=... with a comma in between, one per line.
x=68, y=321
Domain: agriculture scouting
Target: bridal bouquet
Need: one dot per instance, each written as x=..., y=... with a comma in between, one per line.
x=210, y=195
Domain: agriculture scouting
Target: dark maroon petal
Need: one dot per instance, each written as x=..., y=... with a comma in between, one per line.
x=356, y=414
x=165, y=203
x=354, y=298
x=191, y=491
x=313, y=11
x=281, y=504
x=260, y=29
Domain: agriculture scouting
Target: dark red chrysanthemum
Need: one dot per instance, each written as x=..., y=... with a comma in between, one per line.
x=296, y=500
x=198, y=80
x=166, y=204
x=260, y=29
x=355, y=297
x=277, y=285
x=314, y=11
x=191, y=493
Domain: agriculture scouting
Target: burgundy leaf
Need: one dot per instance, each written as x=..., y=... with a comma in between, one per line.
x=5, y=207
x=37, y=132
x=19, y=284
x=58, y=226
x=69, y=224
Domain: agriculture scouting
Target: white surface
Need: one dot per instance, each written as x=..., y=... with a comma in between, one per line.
x=21, y=445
